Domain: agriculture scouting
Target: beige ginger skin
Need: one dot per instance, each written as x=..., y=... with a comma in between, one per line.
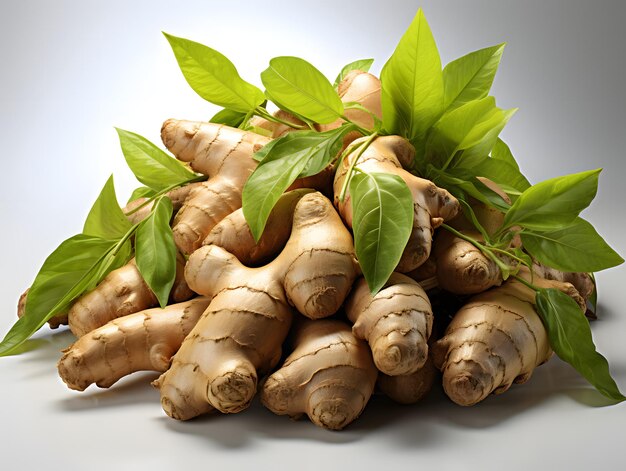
x=222, y=153
x=410, y=388
x=145, y=340
x=496, y=339
x=122, y=292
x=461, y=267
x=432, y=205
x=239, y=336
x=396, y=322
x=234, y=235
x=328, y=376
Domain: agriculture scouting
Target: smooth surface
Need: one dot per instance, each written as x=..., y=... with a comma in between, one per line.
x=73, y=70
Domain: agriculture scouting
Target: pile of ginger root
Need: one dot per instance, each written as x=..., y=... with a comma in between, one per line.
x=290, y=317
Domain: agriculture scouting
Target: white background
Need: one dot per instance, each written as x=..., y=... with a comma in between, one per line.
x=70, y=71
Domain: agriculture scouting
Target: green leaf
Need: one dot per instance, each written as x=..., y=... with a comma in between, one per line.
x=212, y=76
x=502, y=152
x=570, y=338
x=412, y=84
x=150, y=165
x=141, y=192
x=75, y=267
x=577, y=248
x=470, y=77
x=382, y=208
x=553, y=203
x=299, y=86
x=106, y=218
x=155, y=251
x=361, y=64
x=297, y=154
x=472, y=128
x=228, y=117
x=504, y=174
x=461, y=181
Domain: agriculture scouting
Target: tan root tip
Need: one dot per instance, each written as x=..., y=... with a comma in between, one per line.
x=394, y=356
x=167, y=136
x=465, y=389
x=334, y=407
x=170, y=409
x=275, y=397
x=233, y=391
x=70, y=367
x=173, y=402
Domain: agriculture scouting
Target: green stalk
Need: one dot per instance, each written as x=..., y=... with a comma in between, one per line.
x=160, y=193
x=363, y=146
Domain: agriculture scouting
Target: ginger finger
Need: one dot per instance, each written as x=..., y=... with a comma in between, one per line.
x=145, y=340
x=396, y=322
x=329, y=376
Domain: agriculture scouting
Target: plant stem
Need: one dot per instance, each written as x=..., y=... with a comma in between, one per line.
x=199, y=178
x=362, y=130
x=264, y=114
x=363, y=146
x=524, y=282
x=486, y=250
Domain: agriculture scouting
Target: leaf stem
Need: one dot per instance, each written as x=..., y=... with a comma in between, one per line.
x=362, y=130
x=199, y=178
x=264, y=114
x=504, y=268
x=361, y=148
x=526, y=283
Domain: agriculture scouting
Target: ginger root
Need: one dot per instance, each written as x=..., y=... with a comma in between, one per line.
x=122, y=292
x=329, y=376
x=234, y=235
x=222, y=153
x=461, y=267
x=145, y=340
x=396, y=322
x=496, y=339
x=432, y=205
x=239, y=336
x=410, y=388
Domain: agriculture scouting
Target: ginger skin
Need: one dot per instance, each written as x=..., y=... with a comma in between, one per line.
x=461, y=267
x=411, y=388
x=396, y=323
x=234, y=235
x=145, y=340
x=239, y=336
x=432, y=205
x=496, y=339
x=222, y=153
x=122, y=292
x=329, y=376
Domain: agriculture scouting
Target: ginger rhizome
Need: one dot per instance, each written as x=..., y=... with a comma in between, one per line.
x=409, y=388
x=223, y=154
x=145, y=340
x=462, y=268
x=329, y=376
x=494, y=340
x=396, y=322
x=432, y=205
x=239, y=336
x=122, y=292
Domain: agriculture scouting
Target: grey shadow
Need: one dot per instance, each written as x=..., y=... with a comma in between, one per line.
x=129, y=391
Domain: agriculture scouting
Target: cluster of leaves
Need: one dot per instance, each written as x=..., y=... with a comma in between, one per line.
x=448, y=116
x=109, y=240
